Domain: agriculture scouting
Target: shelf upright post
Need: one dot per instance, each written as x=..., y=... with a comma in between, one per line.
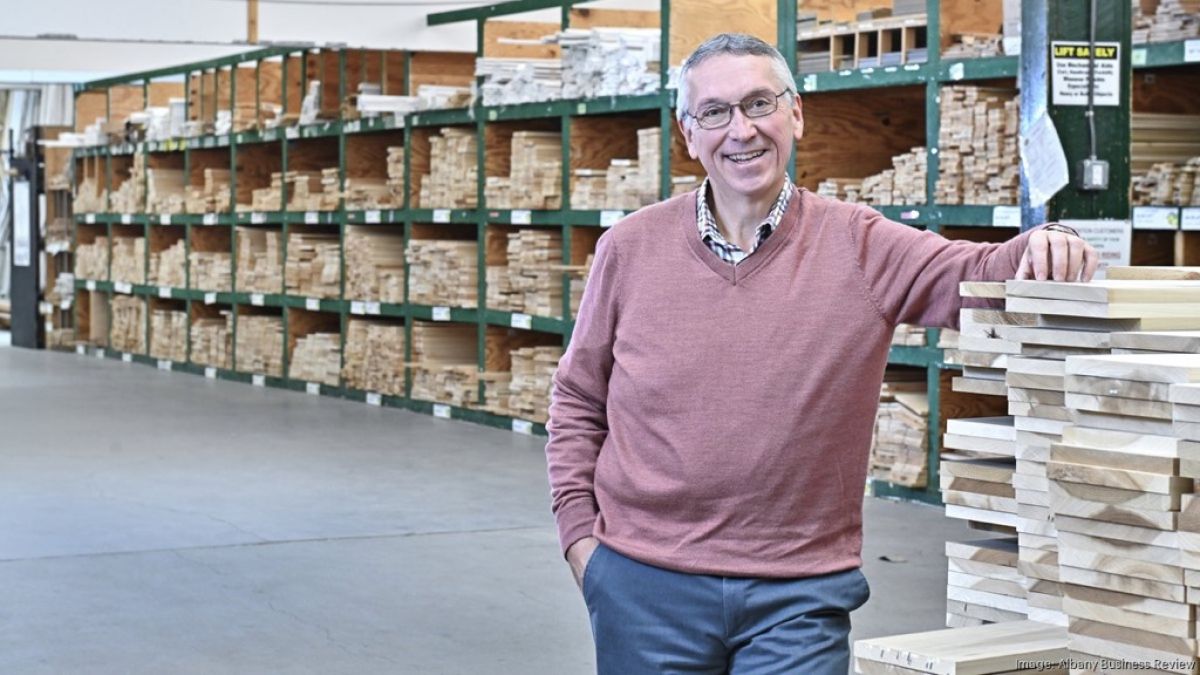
x=665, y=120
x=481, y=219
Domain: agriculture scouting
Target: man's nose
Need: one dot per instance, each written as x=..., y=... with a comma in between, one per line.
x=740, y=126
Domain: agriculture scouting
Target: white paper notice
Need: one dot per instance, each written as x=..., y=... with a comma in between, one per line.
x=1112, y=239
x=23, y=232
x=1044, y=161
x=1069, y=63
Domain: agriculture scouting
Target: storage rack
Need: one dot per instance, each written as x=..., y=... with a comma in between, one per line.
x=684, y=23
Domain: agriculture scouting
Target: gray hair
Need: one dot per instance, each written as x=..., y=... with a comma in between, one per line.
x=737, y=44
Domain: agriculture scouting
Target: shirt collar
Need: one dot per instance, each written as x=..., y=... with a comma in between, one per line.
x=707, y=222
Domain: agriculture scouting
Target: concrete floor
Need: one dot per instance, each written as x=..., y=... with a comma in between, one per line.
x=159, y=522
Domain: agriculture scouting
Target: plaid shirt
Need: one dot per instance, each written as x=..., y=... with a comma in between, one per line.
x=711, y=235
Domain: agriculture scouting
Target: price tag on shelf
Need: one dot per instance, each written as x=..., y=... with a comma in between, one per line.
x=210, y=373
x=270, y=135
x=374, y=399
x=522, y=217
x=210, y=219
x=126, y=219
x=240, y=138
x=258, y=380
x=164, y=365
x=126, y=358
x=373, y=216
x=441, y=313
x=312, y=304
x=164, y=219
x=372, y=308
x=1155, y=218
x=957, y=71
x=164, y=292
x=122, y=287
x=91, y=285
x=357, y=307
x=492, y=115
x=312, y=389
x=257, y=299
x=80, y=350
x=523, y=427
x=311, y=218
x=210, y=298
x=1138, y=57
x=292, y=133
x=258, y=218
x=610, y=218
x=1189, y=219
x=89, y=218
x=441, y=410
x=353, y=127
x=441, y=215
x=45, y=308
x=523, y=321
x=1191, y=51
x=99, y=353
x=911, y=214
x=1006, y=216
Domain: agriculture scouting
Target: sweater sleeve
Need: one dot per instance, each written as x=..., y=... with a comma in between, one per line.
x=912, y=275
x=578, y=423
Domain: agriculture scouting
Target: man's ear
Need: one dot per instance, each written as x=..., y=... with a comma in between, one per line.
x=688, y=131
x=798, y=117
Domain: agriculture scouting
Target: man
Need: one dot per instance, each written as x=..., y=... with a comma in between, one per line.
x=711, y=420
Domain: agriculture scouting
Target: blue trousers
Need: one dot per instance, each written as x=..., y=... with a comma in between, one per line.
x=646, y=619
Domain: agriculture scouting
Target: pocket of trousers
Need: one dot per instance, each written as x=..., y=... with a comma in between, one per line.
x=589, y=571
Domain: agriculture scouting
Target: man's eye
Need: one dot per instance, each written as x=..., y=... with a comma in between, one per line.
x=711, y=113
x=760, y=103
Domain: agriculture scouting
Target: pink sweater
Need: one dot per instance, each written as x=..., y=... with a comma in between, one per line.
x=716, y=419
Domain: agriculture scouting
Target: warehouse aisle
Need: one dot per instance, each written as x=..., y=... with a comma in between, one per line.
x=159, y=522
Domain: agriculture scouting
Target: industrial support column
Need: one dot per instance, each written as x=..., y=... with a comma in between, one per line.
x=26, y=245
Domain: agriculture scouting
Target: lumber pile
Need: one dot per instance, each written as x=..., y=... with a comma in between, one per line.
x=211, y=271
x=497, y=391
x=977, y=146
x=313, y=266
x=1162, y=138
x=904, y=183
x=983, y=583
x=129, y=324
x=974, y=46
x=536, y=177
x=978, y=346
x=532, y=282
x=395, y=176
x=579, y=275
x=312, y=190
x=453, y=170
x=500, y=293
x=259, y=260
x=1168, y=184
x=89, y=198
x=213, y=196
x=130, y=196
x=532, y=377
x=374, y=264
x=1012, y=647
x=129, y=259
x=212, y=340
x=260, y=344
x=168, y=334
x=169, y=266
x=269, y=198
x=906, y=335
x=91, y=260
x=365, y=192
x=317, y=357
x=443, y=272
x=512, y=81
x=627, y=184
x=434, y=97
x=374, y=356
x=601, y=62
x=165, y=190
x=444, y=362
x=1172, y=20
x=899, y=452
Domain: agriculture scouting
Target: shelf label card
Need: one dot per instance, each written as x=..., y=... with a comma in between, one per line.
x=258, y=218
x=372, y=308
x=210, y=219
x=911, y=214
x=957, y=71
x=441, y=215
x=210, y=373
x=1191, y=51
x=441, y=410
x=210, y=298
x=522, y=321
x=126, y=219
x=353, y=127
x=122, y=287
x=312, y=304
x=310, y=218
x=373, y=217
x=610, y=218
x=1155, y=218
x=1006, y=216
x=441, y=313
x=99, y=353
x=810, y=83
x=522, y=217
x=312, y=389
x=523, y=427
x=91, y=285
x=127, y=357
x=374, y=399
x=164, y=219
x=80, y=350
x=164, y=292
x=257, y=299
x=1189, y=219
x=89, y=218
x=258, y=380
x=1069, y=64
x=164, y=364
x=292, y=133
x=357, y=307
x=1138, y=57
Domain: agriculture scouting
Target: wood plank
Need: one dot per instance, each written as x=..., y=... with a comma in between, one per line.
x=1151, y=501
x=1117, y=616
x=1153, y=273
x=1126, y=423
x=1114, y=459
x=1116, y=405
x=1098, y=310
x=1130, y=567
x=443, y=69
x=1132, y=534
x=994, y=470
x=996, y=551
x=496, y=31
x=999, y=428
x=1159, y=520
x=1157, y=446
x=1058, y=337
x=1164, y=555
x=1108, y=386
x=1106, y=291
x=1182, y=341
x=1123, y=652
x=980, y=583
x=983, y=502
x=980, y=487
x=1169, y=368
x=981, y=289
x=1168, y=643
x=1185, y=393
x=1121, y=584
x=970, y=385
x=694, y=21
x=1118, y=325
x=981, y=515
x=968, y=651
x=989, y=446
x=1036, y=396
x=591, y=17
x=1047, y=412
x=1123, y=479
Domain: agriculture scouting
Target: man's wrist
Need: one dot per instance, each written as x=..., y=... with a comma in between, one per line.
x=1058, y=227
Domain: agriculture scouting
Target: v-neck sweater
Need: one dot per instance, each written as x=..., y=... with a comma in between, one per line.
x=717, y=419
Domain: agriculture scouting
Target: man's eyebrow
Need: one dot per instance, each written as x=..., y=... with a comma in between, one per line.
x=753, y=92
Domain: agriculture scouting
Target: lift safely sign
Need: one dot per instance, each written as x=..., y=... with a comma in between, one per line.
x=1069, y=73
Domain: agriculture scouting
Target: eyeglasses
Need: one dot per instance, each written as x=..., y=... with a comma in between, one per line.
x=717, y=115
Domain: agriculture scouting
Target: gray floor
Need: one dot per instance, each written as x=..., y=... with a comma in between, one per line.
x=155, y=522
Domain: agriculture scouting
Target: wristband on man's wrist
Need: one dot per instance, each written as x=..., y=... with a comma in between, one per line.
x=1056, y=227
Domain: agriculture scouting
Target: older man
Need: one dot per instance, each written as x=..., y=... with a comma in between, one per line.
x=711, y=420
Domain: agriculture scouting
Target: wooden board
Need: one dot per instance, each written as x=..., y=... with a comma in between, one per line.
x=1130, y=567
x=1144, y=639
x=1126, y=423
x=1098, y=310
x=590, y=17
x=694, y=21
x=1117, y=651
x=1119, y=406
x=1185, y=393
x=1187, y=342
x=969, y=651
x=496, y=30
x=1128, y=533
x=1057, y=337
x=1121, y=584
x=1163, y=555
x=969, y=385
x=1107, y=386
x=1109, y=291
x=1117, y=478
x=1150, y=272
x=969, y=16
x=1169, y=368
x=1110, y=459
x=445, y=69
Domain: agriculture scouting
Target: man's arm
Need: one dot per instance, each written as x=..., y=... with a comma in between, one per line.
x=578, y=424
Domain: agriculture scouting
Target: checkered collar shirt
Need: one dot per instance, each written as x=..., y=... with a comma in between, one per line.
x=711, y=235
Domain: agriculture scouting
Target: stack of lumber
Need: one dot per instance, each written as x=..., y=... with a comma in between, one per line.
x=260, y=344
x=845, y=189
x=395, y=175
x=169, y=267
x=899, y=453
x=975, y=45
x=269, y=198
x=1117, y=493
x=129, y=324
x=534, y=261
x=369, y=193
x=1158, y=138
x=313, y=190
x=532, y=376
x=980, y=348
x=684, y=184
x=168, y=334
x=259, y=260
x=89, y=198
x=536, y=180
x=579, y=275
x=977, y=146
x=313, y=266
x=632, y=184
x=374, y=356
x=904, y=183
x=99, y=319
x=1011, y=647
x=317, y=357
x=212, y=341
x=983, y=584
x=983, y=494
x=375, y=264
x=130, y=196
x=1174, y=20
x=91, y=260
x=211, y=197
x=1168, y=184
x=511, y=81
x=451, y=183
x=129, y=259
x=444, y=362
x=609, y=61
x=589, y=189
x=164, y=191
x=443, y=272
x=211, y=271
x=908, y=336
x=496, y=393
x=500, y=293
x=434, y=97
